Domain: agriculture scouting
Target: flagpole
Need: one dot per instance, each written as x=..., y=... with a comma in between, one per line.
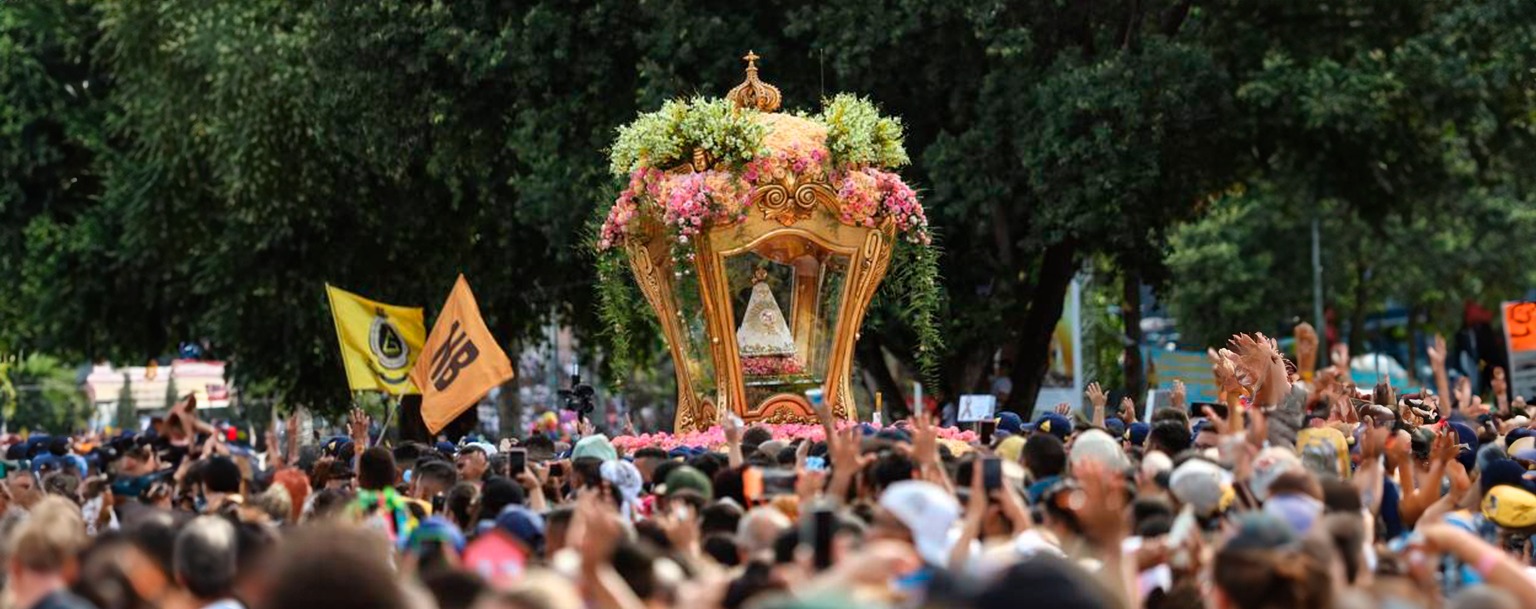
x=389, y=414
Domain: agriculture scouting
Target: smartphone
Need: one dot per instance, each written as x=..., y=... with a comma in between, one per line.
x=778, y=482
x=517, y=460
x=1197, y=409
x=557, y=468
x=439, y=503
x=985, y=430
x=991, y=473
x=819, y=527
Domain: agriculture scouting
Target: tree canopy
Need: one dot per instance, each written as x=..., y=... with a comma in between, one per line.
x=186, y=169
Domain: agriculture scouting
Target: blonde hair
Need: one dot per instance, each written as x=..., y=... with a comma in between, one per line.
x=51, y=536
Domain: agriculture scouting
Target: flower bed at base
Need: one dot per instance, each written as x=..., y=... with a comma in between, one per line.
x=714, y=437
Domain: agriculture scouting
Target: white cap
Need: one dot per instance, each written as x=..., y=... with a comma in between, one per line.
x=928, y=513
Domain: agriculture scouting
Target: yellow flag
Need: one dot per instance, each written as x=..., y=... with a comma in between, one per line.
x=379, y=342
x=462, y=361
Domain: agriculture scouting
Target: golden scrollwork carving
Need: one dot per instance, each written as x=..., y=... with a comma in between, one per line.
x=789, y=201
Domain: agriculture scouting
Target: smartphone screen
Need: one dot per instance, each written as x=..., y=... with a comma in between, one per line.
x=822, y=524
x=992, y=473
x=557, y=469
x=517, y=460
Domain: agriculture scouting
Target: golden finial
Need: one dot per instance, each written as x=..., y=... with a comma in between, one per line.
x=754, y=93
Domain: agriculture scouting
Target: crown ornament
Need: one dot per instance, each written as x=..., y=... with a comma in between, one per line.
x=754, y=93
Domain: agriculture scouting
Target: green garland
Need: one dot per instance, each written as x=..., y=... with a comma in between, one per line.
x=858, y=136
x=913, y=286
x=665, y=137
x=621, y=307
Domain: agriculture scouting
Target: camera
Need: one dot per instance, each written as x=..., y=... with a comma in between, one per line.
x=580, y=398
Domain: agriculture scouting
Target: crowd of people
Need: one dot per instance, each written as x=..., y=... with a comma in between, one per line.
x=1296, y=491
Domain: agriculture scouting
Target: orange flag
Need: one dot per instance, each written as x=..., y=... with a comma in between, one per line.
x=459, y=363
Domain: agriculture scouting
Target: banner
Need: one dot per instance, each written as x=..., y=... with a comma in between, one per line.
x=1192, y=367
x=1520, y=335
x=1063, y=380
x=462, y=361
x=379, y=342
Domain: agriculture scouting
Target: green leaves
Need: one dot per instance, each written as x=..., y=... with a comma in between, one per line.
x=663, y=139
x=858, y=136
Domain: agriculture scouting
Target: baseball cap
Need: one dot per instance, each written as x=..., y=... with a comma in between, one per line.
x=928, y=512
x=1053, y=424
x=438, y=529
x=1295, y=509
x=524, y=524
x=1510, y=507
x=596, y=446
x=1114, y=426
x=1202, y=484
x=687, y=478
x=1009, y=422
x=1136, y=433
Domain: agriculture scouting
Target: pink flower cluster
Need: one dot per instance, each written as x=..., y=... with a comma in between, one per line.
x=807, y=164
x=693, y=200
x=870, y=195
x=714, y=437
x=771, y=365
x=643, y=181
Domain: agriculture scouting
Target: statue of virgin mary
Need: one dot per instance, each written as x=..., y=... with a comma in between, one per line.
x=763, y=331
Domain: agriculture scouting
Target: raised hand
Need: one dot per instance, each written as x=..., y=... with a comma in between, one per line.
x=357, y=425
x=1444, y=449
x=1221, y=368
x=1096, y=396
x=1306, y=349
x=925, y=440
x=1064, y=409
x=1436, y=351
x=1128, y=410
x=1338, y=355
x=1177, y=395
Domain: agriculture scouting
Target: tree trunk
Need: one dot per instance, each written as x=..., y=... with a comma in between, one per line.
x=509, y=406
x=870, y=352
x=1130, y=312
x=1037, y=317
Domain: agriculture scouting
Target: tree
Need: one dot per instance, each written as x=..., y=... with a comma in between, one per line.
x=127, y=410
x=1400, y=131
x=48, y=398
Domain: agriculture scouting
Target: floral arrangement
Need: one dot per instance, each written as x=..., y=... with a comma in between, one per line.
x=771, y=365
x=714, y=437
x=860, y=147
x=693, y=164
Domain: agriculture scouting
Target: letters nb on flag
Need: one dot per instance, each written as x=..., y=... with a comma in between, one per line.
x=379, y=342
x=461, y=361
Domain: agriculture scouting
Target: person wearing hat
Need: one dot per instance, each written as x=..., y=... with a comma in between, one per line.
x=1053, y=424
x=472, y=462
x=1009, y=423
x=920, y=513
x=594, y=446
x=1136, y=435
